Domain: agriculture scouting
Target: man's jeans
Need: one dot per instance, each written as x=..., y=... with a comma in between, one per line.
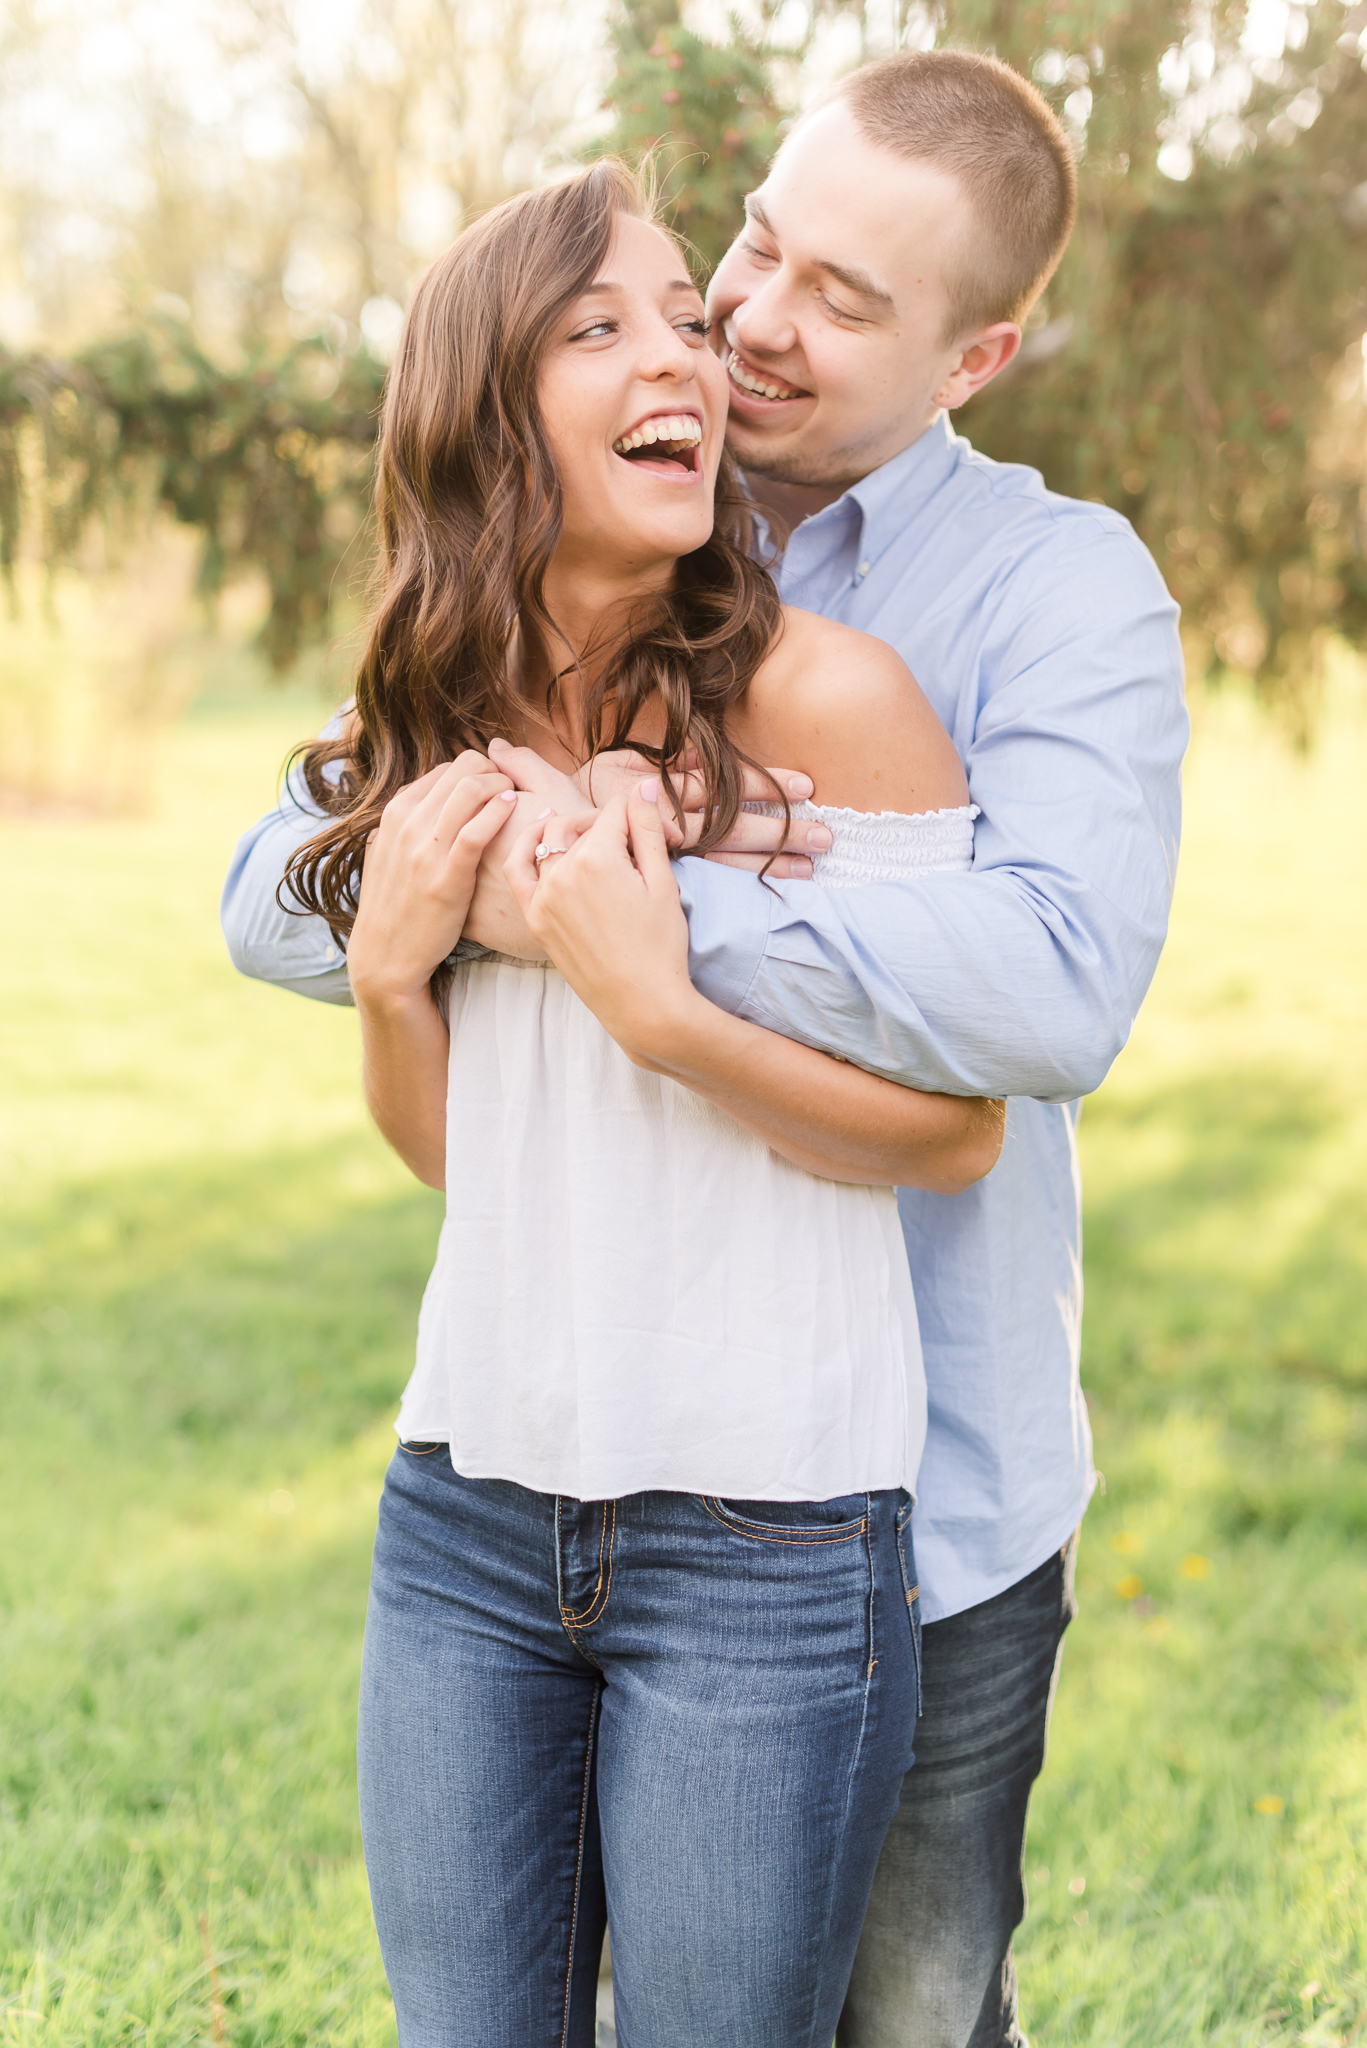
x=934, y=1967
x=690, y=1716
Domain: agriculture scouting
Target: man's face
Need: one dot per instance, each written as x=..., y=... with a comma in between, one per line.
x=831, y=308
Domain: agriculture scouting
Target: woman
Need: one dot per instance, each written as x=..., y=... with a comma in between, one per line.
x=643, y=1634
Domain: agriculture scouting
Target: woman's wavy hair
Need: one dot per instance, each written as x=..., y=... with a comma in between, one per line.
x=468, y=515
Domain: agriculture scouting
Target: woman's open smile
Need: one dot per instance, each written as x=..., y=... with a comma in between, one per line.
x=665, y=444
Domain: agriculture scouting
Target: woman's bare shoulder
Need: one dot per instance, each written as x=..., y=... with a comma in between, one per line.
x=844, y=707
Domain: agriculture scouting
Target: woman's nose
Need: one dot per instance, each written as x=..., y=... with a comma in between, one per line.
x=671, y=357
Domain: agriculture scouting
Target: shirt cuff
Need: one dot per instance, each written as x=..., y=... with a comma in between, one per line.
x=728, y=913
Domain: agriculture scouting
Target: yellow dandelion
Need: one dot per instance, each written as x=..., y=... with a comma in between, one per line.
x=1130, y=1587
x=1195, y=1566
x=1271, y=1803
x=1127, y=1542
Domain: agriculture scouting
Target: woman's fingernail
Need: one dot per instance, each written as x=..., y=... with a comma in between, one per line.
x=819, y=839
x=547, y=813
x=650, y=792
x=800, y=868
x=498, y=743
x=800, y=786
x=508, y=796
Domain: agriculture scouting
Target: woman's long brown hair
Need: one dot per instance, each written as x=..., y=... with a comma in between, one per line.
x=468, y=515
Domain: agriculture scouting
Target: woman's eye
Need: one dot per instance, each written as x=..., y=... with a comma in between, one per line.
x=698, y=327
x=595, y=327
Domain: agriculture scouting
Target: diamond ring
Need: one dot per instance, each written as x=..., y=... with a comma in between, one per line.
x=544, y=852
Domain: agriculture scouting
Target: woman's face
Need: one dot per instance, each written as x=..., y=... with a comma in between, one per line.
x=633, y=403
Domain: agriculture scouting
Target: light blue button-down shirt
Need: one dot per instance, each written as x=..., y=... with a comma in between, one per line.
x=1041, y=631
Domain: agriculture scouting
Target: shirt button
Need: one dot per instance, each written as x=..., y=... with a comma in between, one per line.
x=864, y=568
x=329, y=952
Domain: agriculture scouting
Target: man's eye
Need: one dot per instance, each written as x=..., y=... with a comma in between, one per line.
x=760, y=255
x=839, y=312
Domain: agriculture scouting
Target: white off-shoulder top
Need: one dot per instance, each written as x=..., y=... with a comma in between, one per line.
x=633, y=1292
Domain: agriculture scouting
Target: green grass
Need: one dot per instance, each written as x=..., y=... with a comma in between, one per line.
x=209, y=1277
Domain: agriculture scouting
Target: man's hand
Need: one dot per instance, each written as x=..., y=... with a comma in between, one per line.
x=751, y=842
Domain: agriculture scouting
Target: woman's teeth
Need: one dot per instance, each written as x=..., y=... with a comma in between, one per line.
x=748, y=381
x=670, y=431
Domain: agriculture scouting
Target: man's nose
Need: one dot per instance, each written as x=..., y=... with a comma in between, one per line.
x=763, y=321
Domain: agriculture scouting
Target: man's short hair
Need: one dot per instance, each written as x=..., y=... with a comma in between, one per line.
x=979, y=121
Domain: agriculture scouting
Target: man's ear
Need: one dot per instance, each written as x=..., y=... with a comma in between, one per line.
x=978, y=362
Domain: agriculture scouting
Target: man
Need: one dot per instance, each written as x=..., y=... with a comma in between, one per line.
x=903, y=233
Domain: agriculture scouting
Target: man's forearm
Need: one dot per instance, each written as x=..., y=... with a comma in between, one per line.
x=966, y=984
x=829, y=1118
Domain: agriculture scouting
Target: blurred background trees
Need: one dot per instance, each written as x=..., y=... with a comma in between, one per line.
x=211, y=213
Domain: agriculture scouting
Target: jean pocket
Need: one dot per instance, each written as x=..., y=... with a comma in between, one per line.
x=803, y=1522
x=911, y=1592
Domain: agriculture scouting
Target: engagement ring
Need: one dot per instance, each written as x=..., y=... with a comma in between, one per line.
x=544, y=852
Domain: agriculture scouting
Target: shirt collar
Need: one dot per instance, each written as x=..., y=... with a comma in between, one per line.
x=885, y=499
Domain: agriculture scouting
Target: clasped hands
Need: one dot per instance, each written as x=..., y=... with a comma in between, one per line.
x=455, y=853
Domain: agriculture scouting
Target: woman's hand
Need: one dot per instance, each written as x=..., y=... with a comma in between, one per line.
x=604, y=903
x=419, y=876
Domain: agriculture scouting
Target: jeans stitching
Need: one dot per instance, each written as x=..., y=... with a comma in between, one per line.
x=913, y=1595
x=870, y=1664
x=738, y=1528
x=579, y=1863
x=601, y=1592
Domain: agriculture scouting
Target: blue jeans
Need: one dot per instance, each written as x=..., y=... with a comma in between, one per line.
x=934, y=1968
x=683, y=1717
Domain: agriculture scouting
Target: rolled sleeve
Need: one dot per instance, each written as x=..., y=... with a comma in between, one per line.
x=728, y=912
x=289, y=950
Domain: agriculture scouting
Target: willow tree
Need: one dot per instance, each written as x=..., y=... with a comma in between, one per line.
x=269, y=461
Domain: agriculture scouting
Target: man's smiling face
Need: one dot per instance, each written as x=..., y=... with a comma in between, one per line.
x=832, y=307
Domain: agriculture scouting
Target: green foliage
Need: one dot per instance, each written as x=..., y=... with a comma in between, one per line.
x=269, y=462
x=1192, y=369
x=708, y=114
x=209, y=1280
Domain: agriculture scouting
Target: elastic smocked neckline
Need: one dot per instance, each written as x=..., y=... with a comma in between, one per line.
x=968, y=811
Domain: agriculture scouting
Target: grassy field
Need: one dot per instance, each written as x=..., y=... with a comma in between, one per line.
x=209, y=1275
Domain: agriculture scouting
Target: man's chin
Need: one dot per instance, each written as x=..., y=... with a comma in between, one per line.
x=758, y=456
